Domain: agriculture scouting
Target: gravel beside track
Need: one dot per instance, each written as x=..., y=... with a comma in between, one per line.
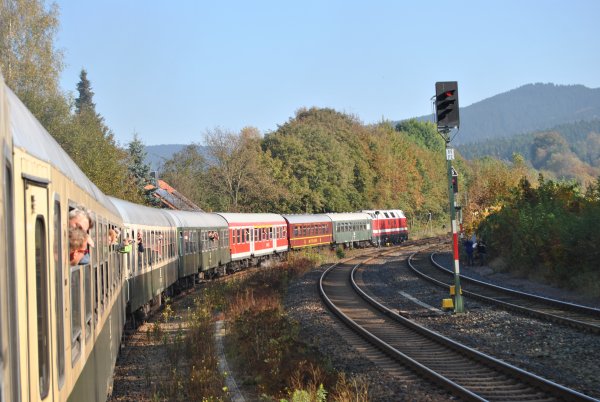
x=319, y=327
x=564, y=355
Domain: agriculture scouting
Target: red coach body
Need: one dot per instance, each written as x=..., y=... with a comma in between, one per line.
x=256, y=235
x=309, y=230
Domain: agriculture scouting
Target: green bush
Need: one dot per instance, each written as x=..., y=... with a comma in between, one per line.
x=549, y=232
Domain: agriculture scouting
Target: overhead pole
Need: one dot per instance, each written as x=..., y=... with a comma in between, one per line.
x=447, y=118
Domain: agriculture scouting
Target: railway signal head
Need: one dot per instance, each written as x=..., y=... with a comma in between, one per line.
x=446, y=104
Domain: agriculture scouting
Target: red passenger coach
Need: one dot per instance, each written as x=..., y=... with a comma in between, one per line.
x=254, y=237
x=389, y=226
x=309, y=230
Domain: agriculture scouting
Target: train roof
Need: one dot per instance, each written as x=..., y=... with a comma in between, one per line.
x=197, y=219
x=397, y=212
x=348, y=216
x=307, y=218
x=142, y=215
x=235, y=218
x=29, y=135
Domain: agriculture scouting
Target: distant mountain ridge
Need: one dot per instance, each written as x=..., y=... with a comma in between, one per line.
x=156, y=155
x=531, y=107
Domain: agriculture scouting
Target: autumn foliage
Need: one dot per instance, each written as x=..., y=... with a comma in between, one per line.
x=550, y=232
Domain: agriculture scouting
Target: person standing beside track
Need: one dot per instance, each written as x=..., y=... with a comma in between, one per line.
x=469, y=250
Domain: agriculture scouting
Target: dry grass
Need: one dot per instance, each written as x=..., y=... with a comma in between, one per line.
x=264, y=343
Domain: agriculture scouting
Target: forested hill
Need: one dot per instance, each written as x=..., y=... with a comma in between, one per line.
x=567, y=151
x=577, y=135
x=529, y=108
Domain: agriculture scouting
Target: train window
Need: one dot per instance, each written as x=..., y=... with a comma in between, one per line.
x=295, y=231
x=41, y=281
x=159, y=245
x=239, y=236
x=75, y=313
x=58, y=306
x=102, y=285
x=271, y=233
x=393, y=215
x=103, y=246
x=96, y=298
x=386, y=215
x=147, y=252
x=92, y=231
x=169, y=244
x=105, y=282
x=87, y=285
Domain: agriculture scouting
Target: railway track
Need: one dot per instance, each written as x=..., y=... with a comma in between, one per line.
x=464, y=372
x=573, y=315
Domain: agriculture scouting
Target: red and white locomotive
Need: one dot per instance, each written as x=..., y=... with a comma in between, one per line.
x=389, y=226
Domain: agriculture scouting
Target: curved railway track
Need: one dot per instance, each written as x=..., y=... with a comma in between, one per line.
x=573, y=315
x=464, y=372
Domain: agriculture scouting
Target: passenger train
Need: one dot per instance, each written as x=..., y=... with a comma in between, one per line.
x=61, y=325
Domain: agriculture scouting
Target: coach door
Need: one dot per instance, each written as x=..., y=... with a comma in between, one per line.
x=38, y=296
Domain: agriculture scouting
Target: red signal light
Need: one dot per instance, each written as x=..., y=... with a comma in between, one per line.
x=446, y=104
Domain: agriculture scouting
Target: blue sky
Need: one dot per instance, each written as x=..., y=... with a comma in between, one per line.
x=172, y=70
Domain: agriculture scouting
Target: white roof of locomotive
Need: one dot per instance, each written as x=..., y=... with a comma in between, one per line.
x=372, y=212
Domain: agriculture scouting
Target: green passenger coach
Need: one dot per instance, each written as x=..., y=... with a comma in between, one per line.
x=203, y=243
x=352, y=229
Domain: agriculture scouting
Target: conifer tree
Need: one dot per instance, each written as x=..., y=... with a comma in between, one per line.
x=92, y=146
x=84, y=100
x=138, y=169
